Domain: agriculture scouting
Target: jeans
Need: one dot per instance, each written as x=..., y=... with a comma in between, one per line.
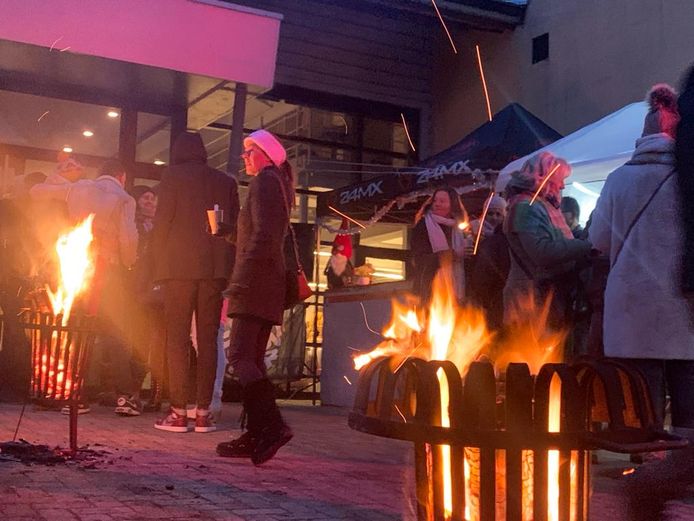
x=249, y=336
x=183, y=298
x=675, y=377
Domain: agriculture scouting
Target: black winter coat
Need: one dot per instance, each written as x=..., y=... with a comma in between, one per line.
x=258, y=284
x=183, y=247
x=684, y=164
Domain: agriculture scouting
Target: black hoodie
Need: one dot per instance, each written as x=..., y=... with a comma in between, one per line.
x=183, y=248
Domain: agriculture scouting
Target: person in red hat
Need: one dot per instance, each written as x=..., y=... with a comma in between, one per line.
x=339, y=270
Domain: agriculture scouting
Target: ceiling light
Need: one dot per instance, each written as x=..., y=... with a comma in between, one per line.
x=67, y=149
x=112, y=114
x=159, y=162
x=87, y=133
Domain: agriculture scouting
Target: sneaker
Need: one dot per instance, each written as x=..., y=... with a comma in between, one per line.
x=128, y=406
x=82, y=408
x=173, y=422
x=205, y=423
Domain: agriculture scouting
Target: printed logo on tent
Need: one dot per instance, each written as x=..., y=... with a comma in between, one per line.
x=436, y=174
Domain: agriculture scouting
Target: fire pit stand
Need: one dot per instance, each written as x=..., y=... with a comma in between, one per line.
x=514, y=449
x=59, y=357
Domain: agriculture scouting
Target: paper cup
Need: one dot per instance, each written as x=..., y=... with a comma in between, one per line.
x=212, y=219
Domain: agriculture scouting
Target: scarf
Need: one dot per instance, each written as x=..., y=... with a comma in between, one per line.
x=438, y=242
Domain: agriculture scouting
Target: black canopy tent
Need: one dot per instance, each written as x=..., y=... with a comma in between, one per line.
x=469, y=166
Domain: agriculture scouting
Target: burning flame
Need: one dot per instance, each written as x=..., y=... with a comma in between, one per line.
x=76, y=267
x=449, y=331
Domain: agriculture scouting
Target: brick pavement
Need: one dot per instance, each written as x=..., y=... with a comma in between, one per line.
x=328, y=472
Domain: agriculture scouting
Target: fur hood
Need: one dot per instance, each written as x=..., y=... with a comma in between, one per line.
x=654, y=149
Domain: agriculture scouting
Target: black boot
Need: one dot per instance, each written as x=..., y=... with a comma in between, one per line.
x=273, y=432
x=154, y=402
x=243, y=446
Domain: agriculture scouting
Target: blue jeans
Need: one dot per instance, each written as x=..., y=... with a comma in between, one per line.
x=675, y=377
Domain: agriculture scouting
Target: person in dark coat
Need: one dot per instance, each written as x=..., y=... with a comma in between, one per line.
x=684, y=166
x=193, y=267
x=257, y=293
x=488, y=278
x=439, y=234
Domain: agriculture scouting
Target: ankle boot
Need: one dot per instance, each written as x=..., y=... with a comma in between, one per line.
x=273, y=431
x=243, y=446
x=154, y=402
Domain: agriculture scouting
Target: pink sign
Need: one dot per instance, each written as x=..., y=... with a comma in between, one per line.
x=204, y=37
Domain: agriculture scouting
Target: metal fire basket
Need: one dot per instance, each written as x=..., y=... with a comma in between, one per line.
x=490, y=458
x=59, y=357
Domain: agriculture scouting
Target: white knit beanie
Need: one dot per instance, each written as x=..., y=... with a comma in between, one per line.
x=268, y=144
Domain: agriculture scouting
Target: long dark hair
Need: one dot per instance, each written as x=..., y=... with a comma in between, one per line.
x=288, y=174
x=458, y=211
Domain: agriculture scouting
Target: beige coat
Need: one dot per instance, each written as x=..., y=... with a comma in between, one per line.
x=115, y=234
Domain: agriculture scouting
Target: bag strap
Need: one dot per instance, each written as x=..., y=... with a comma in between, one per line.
x=289, y=216
x=638, y=216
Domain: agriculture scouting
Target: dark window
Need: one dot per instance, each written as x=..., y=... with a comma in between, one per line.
x=541, y=48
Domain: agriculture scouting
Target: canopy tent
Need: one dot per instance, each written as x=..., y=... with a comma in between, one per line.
x=469, y=165
x=593, y=152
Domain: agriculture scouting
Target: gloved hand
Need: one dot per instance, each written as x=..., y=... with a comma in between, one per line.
x=224, y=229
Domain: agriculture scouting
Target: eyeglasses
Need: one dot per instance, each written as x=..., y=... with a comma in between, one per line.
x=247, y=153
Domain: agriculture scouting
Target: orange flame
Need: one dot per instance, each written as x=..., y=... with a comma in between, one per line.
x=76, y=267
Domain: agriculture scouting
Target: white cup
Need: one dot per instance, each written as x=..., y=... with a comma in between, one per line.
x=214, y=217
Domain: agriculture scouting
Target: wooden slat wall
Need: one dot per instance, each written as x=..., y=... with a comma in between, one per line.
x=351, y=51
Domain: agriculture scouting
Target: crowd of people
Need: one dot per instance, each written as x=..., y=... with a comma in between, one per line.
x=622, y=285
x=164, y=282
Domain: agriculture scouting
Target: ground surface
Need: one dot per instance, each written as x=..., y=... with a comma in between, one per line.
x=328, y=472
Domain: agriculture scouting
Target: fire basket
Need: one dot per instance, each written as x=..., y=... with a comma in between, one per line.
x=513, y=449
x=59, y=355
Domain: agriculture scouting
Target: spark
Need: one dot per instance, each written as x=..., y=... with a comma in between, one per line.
x=407, y=132
x=347, y=379
x=481, y=225
x=400, y=413
x=354, y=349
x=628, y=471
x=347, y=217
x=544, y=182
x=407, y=357
x=53, y=44
x=345, y=122
x=450, y=38
x=363, y=310
x=42, y=116
x=484, y=82
x=65, y=49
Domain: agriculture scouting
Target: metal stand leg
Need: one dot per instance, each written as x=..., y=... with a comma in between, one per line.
x=74, y=411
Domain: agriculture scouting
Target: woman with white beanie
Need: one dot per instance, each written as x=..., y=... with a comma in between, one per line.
x=257, y=293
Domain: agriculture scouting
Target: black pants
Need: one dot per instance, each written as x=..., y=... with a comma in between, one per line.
x=182, y=298
x=249, y=336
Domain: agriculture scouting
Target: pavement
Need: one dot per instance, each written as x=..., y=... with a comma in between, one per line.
x=327, y=472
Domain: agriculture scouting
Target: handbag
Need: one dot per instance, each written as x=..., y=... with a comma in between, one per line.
x=296, y=287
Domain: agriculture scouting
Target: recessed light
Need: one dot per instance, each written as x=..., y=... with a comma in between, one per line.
x=87, y=133
x=112, y=114
x=67, y=149
x=159, y=162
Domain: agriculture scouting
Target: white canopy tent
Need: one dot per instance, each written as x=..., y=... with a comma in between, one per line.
x=593, y=152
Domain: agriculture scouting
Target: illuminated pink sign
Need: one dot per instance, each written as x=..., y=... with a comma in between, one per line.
x=205, y=37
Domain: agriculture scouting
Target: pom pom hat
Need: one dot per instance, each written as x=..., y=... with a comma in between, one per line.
x=663, y=115
x=269, y=144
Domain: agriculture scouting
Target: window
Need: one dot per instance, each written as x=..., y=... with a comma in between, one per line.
x=541, y=48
